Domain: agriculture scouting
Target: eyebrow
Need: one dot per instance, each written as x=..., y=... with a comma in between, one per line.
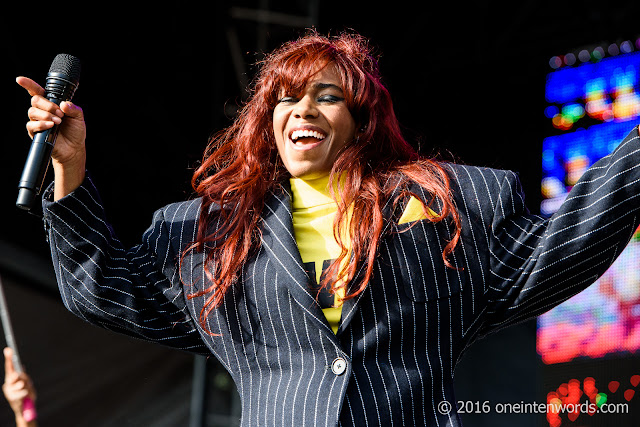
x=320, y=86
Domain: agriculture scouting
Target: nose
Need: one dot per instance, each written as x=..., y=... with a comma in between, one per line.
x=305, y=108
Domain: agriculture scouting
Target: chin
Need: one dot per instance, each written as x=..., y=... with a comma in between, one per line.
x=304, y=170
x=308, y=173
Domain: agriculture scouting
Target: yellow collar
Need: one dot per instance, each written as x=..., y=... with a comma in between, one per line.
x=310, y=193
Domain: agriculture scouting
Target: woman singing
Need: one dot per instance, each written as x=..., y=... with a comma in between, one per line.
x=335, y=274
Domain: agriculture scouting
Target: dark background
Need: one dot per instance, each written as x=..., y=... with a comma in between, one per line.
x=467, y=81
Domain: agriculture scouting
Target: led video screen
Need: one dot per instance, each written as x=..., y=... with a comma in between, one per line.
x=590, y=345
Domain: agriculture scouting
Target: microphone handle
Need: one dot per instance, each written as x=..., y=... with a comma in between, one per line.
x=39, y=155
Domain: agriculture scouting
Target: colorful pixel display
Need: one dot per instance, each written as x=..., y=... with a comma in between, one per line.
x=591, y=107
x=590, y=345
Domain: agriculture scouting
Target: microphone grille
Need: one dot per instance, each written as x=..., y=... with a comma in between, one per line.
x=66, y=64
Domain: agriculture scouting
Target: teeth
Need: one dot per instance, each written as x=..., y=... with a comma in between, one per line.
x=306, y=133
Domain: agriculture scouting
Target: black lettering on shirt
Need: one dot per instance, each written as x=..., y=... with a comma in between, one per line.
x=324, y=297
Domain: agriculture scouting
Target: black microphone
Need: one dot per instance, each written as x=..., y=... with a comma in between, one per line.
x=62, y=82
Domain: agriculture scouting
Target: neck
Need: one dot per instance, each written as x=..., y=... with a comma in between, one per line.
x=310, y=192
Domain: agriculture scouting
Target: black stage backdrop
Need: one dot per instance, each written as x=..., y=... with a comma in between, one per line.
x=156, y=83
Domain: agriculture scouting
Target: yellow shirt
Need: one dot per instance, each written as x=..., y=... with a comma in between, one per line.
x=313, y=214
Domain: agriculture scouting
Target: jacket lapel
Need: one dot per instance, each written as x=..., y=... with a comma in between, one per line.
x=390, y=217
x=280, y=245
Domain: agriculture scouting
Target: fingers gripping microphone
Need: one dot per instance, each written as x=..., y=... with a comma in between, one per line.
x=62, y=82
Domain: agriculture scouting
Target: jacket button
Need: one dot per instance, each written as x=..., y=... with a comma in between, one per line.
x=338, y=366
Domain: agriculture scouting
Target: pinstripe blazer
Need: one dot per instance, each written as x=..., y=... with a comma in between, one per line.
x=393, y=358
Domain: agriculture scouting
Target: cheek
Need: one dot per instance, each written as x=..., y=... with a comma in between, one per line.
x=278, y=137
x=279, y=118
x=278, y=128
x=346, y=128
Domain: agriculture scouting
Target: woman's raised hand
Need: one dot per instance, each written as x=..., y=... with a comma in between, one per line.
x=68, y=157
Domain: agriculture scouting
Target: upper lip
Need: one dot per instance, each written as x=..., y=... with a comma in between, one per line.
x=306, y=127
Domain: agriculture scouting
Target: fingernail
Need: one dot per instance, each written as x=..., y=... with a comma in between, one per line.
x=59, y=113
x=57, y=120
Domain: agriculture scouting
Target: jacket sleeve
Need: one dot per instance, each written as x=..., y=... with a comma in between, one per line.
x=135, y=291
x=536, y=264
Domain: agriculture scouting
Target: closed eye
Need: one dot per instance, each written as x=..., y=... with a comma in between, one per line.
x=330, y=98
x=288, y=99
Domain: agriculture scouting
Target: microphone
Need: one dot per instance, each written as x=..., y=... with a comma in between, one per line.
x=62, y=82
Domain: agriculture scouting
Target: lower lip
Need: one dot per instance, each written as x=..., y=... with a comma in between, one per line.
x=306, y=146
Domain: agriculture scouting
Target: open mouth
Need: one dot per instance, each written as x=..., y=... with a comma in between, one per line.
x=306, y=136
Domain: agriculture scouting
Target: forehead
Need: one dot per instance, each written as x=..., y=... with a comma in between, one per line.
x=326, y=76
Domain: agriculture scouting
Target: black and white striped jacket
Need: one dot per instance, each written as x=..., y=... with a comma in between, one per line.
x=393, y=358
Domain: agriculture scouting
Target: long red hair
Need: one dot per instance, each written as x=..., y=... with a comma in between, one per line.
x=241, y=165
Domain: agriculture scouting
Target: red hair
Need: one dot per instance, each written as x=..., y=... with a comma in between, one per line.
x=241, y=165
